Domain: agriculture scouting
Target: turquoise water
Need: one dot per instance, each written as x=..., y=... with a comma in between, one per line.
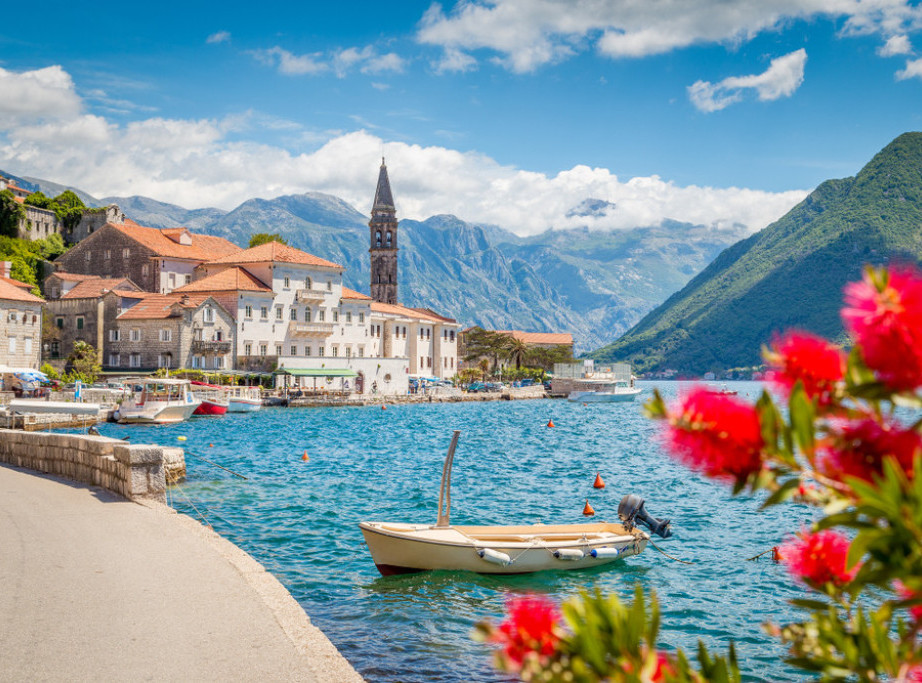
x=299, y=519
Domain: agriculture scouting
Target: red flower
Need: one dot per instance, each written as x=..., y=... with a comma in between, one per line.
x=858, y=449
x=885, y=318
x=818, y=558
x=814, y=361
x=716, y=434
x=663, y=668
x=907, y=593
x=531, y=626
x=914, y=675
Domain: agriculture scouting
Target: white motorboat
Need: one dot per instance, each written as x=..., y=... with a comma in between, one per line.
x=160, y=401
x=398, y=548
x=603, y=391
x=243, y=399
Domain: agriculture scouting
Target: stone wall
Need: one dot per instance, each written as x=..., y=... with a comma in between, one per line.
x=21, y=322
x=131, y=470
x=110, y=253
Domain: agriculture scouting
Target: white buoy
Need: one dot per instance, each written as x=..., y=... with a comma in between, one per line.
x=603, y=553
x=569, y=554
x=494, y=556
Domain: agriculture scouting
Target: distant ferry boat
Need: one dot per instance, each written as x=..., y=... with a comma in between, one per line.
x=160, y=401
x=583, y=381
x=603, y=391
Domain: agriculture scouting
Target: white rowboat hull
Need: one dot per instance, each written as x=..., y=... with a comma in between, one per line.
x=408, y=548
x=243, y=405
x=159, y=415
x=603, y=396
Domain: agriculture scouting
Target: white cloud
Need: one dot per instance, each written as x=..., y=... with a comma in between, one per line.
x=453, y=60
x=43, y=93
x=783, y=76
x=530, y=33
x=913, y=70
x=340, y=61
x=196, y=163
x=219, y=37
x=895, y=45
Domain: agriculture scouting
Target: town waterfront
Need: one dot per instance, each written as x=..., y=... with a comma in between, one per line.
x=299, y=519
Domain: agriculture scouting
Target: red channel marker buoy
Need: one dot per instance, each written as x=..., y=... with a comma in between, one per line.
x=550, y=423
x=587, y=509
x=211, y=445
x=598, y=484
x=305, y=457
x=383, y=407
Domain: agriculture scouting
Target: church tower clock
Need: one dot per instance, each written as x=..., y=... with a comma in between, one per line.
x=383, y=250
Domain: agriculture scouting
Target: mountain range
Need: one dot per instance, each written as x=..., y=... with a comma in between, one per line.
x=594, y=284
x=789, y=275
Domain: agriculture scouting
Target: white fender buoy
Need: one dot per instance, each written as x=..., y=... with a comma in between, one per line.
x=495, y=556
x=603, y=553
x=569, y=554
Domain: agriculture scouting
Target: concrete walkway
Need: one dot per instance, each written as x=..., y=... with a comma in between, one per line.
x=97, y=588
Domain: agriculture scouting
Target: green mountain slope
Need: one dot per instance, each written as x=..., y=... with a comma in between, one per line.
x=790, y=274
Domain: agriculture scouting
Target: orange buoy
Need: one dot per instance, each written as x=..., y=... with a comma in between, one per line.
x=585, y=404
x=550, y=423
x=598, y=484
x=587, y=509
x=776, y=554
x=383, y=407
x=305, y=456
x=211, y=445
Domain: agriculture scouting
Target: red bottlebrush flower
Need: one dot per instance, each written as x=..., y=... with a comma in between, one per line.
x=887, y=323
x=914, y=675
x=716, y=434
x=858, y=449
x=818, y=558
x=907, y=593
x=663, y=668
x=814, y=361
x=531, y=626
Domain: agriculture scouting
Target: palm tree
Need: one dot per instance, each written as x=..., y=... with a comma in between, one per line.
x=484, y=365
x=516, y=350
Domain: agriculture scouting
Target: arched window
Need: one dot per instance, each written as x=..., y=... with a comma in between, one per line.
x=307, y=283
x=389, y=234
x=377, y=238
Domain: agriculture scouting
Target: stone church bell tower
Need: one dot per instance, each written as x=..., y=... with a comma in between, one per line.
x=383, y=249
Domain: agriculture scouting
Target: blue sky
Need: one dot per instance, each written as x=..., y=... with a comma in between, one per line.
x=509, y=111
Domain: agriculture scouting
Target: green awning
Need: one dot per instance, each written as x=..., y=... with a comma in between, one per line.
x=317, y=372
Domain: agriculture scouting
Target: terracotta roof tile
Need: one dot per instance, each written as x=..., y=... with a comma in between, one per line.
x=96, y=287
x=160, y=306
x=274, y=252
x=406, y=312
x=11, y=292
x=352, y=294
x=202, y=248
x=72, y=277
x=229, y=280
x=17, y=283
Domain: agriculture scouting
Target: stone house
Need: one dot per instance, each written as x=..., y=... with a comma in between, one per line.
x=156, y=260
x=86, y=312
x=546, y=340
x=20, y=322
x=172, y=331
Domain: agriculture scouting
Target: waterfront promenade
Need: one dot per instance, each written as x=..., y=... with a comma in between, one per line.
x=95, y=587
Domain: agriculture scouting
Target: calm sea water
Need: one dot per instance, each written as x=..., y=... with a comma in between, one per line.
x=299, y=519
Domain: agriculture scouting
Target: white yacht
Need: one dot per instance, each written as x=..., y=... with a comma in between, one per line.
x=160, y=401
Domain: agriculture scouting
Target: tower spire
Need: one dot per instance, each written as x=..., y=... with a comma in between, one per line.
x=383, y=235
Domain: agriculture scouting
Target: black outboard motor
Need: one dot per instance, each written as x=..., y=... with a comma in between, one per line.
x=631, y=511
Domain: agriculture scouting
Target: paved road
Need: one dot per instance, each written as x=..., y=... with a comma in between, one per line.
x=97, y=588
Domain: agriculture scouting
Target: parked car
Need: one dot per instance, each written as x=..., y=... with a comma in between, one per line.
x=476, y=386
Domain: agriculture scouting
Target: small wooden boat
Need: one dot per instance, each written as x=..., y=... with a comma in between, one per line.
x=243, y=399
x=504, y=549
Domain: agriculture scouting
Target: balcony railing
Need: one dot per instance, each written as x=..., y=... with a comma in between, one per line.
x=306, y=295
x=201, y=346
x=310, y=329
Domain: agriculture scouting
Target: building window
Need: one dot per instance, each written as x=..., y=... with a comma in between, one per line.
x=135, y=360
x=145, y=270
x=307, y=283
x=319, y=350
x=428, y=333
x=429, y=362
x=335, y=316
x=165, y=360
x=28, y=348
x=59, y=322
x=287, y=282
x=55, y=349
x=12, y=343
x=348, y=316
x=361, y=317
x=126, y=252
x=135, y=335
x=166, y=335
x=248, y=350
x=335, y=351
x=329, y=285
x=307, y=350
x=321, y=314
x=114, y=335
x=248, y=312
x=208, y=314
x=218, y=335
x=279, y=313
x=114, y=360
x=172, y=280
x=218, y=362
x=263, y=313
x=294, y=350
x=107, y=254
x=278, y=349
x=263, y=349
x=451, y=335
x=422, y=362
x=361, y=352
x=88, y=255
x=188, y=279
x=348, y=352
x=79, y=322
x=292, y=313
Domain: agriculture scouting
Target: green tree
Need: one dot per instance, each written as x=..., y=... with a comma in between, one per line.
x=69, y=209
x=83, y=362
x=264, y=238
x=11, y=213
x=40, y=200
x=480, y=343
x=516, y=350
x=49, y=370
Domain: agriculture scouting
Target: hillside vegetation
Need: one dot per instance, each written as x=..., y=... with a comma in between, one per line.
x=789, y=275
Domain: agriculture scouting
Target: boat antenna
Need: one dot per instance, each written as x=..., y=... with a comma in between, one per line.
x=445, y=490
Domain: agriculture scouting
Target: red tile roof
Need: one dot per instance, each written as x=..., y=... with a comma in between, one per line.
x=229, y=280
x=17, y=283
x=96, y=287
x=274, y=252
x=406, y=312
x=203, y=247
x=11, y=292
x=72, y=277
x=540, y=337
x=352, y=294
x=160, y=306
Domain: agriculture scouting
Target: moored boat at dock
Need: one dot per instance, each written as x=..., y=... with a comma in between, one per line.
x=583, y=381
x=243, y=399
x=160, y=401
x=213, y=399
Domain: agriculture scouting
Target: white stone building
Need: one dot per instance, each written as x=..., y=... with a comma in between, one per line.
x=20, y=322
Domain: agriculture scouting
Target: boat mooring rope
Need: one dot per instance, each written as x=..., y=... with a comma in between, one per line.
x=658, y=549
x=210, y=462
